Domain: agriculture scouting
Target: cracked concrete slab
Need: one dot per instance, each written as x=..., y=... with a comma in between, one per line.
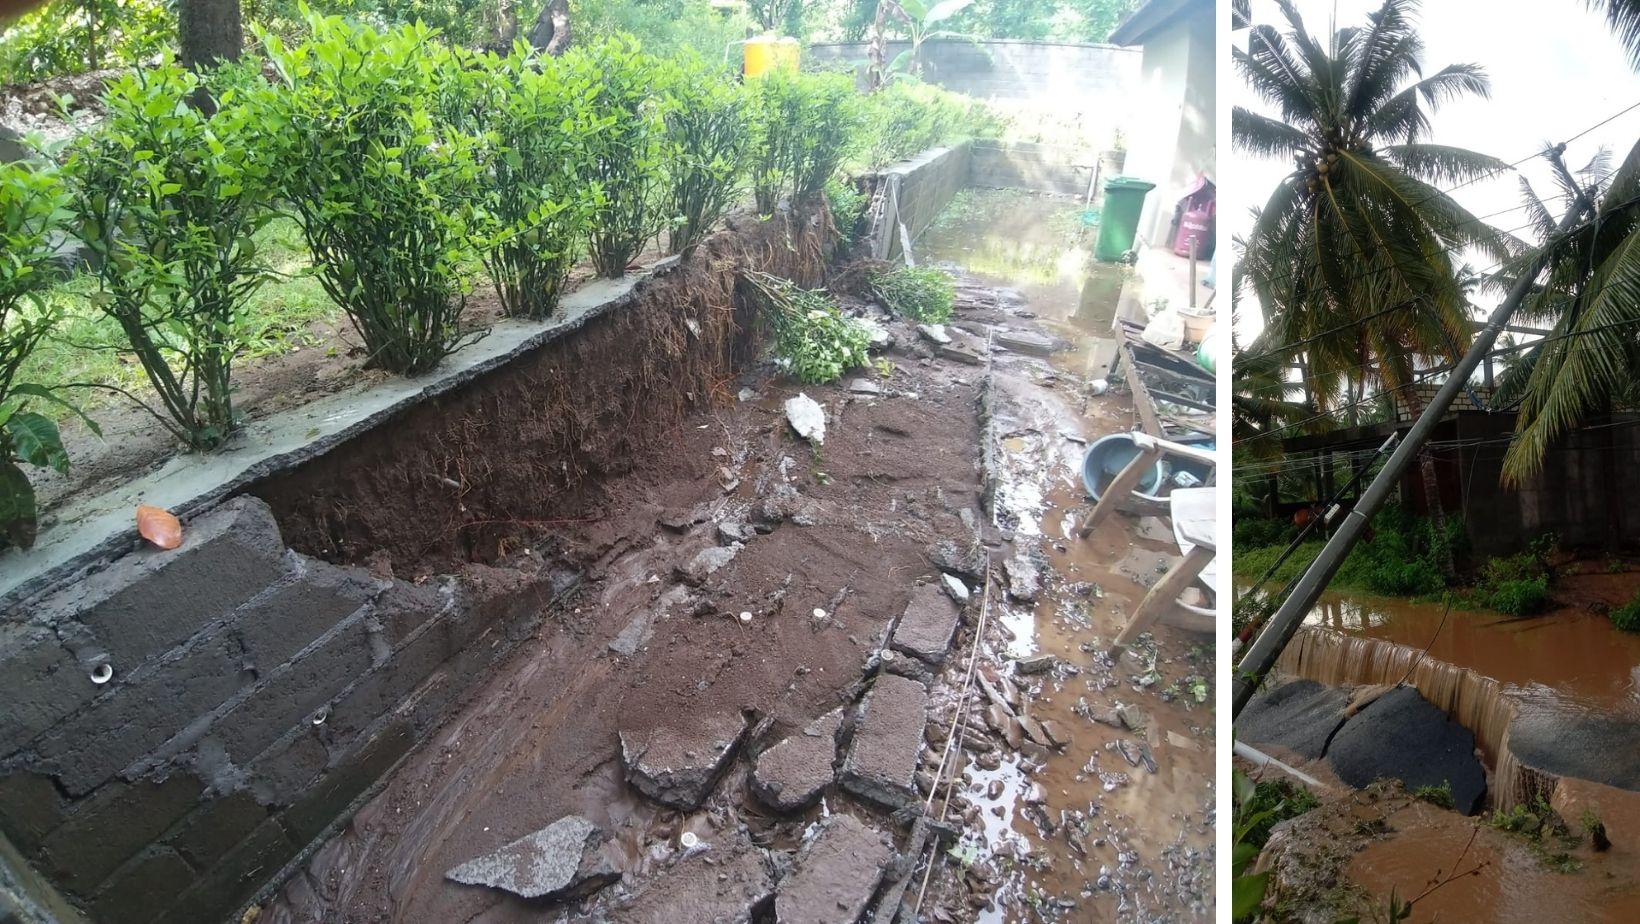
x=882, y=762
x=680, y=766
x=928, y=625
x=790, y=776
x=561, y=860
x=836, y=874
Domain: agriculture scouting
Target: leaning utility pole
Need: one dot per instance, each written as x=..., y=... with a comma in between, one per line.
x=1263, y=652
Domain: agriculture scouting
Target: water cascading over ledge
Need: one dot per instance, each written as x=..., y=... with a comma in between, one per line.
x=1476, y=702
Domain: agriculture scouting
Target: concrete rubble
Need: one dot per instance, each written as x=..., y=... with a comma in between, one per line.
x=724, y=884
x=928, y=625
x=680, y=766
x=836, y=874
x=807, y=418
x=882, y=761
x=790, y=776
x=562, y=860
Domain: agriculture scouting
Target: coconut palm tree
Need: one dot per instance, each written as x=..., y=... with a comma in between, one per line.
x=1590, y=359
x=1353, y=254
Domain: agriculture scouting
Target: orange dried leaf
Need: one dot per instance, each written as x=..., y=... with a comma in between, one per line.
x=159, y=527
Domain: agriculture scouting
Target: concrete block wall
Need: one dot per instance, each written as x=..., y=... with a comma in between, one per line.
x=1038, y=168
x=250, y=695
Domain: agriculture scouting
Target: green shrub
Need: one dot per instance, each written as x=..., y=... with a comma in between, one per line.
x=813, y=341
x=1627, y=616
x=848, y=208
x=33, y=211
x=907, y=117
x=168, y=200
x=1440, y=796
x=1255, y=532
x=629, y=155
x=1523, y=597
x=538, y=197
x=707, y=127
x=804, y=126
x=383, y=186
x=924, y=295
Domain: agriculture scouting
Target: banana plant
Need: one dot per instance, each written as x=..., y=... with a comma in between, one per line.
x=920, y=20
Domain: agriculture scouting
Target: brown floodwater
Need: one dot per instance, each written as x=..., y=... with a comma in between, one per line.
x=1569, y=659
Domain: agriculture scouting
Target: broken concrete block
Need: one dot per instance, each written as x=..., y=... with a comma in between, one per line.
x=680, y=766
x=807, y=417
x=966, y=559
x=790, y=776
x=934, y=333
x=864, y=387
x=1025, y=342
x=835, y=874
x=723, y=885
x=955, y=587
x=926, y=628
x=1035, y=664
x=959, y=353
x=562, y=860
x=706, y=562
x=1024, y=576
x=882, y=762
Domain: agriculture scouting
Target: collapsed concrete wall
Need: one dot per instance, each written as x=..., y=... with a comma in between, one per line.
x=181, y=724
x=180, y=727
x=913, y=195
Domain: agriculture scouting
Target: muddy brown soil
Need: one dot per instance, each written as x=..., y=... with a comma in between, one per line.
x=1349, y=856
x=850, y=528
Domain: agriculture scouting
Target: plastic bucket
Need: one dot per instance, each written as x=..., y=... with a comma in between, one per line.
x=1107, y=456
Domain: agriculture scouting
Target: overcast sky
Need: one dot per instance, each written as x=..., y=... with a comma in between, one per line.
x=1555, y=70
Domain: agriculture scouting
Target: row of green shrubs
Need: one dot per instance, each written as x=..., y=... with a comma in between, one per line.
x=408, y=164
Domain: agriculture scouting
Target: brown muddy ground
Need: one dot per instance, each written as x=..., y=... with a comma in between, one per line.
x=1084, y=831
x=539, y=738
x=1349, y=856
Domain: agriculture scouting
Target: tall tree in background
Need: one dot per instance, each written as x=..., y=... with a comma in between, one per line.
x=1353, y=254
x=208, y=31
x=551, y=30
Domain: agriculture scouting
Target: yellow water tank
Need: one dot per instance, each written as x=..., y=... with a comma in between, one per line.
x=767, y=53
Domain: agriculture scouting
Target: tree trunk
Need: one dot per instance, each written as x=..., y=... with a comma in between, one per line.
x=551, y=30
x=209, y=31
x=504, y=29
x=877, y=51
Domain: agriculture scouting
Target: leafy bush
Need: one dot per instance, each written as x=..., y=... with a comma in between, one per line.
x=813, y=340
x=381, y=184
x=539, y=199
x=168, y=200
x=1523, y=597
x=629, y=154
x=33, y=210
x=72, y=36
x=924, y=295
x=1255, y=532
x=804, y=126
x=1440, y=796
x=907, y=117
x=847, y=206
x=1627, y=616
x=708, y=131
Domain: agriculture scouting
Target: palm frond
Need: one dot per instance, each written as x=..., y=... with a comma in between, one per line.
x=1265, y=136
x=1440, y=163
x=1624, y=18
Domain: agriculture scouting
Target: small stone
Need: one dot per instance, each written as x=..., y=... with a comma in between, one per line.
x=955, y=587
x=707, y=562
x=746, y=394
x=1035, y=664
x=807, y=418
x=934, y=333
x=864, y=387
x=558, y=861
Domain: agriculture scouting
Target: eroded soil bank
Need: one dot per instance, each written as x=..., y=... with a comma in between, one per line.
x=742, y=587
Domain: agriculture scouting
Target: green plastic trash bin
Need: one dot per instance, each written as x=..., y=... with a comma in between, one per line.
x=1119, y=223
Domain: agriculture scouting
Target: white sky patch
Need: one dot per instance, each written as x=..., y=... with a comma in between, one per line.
x=1555, y=68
